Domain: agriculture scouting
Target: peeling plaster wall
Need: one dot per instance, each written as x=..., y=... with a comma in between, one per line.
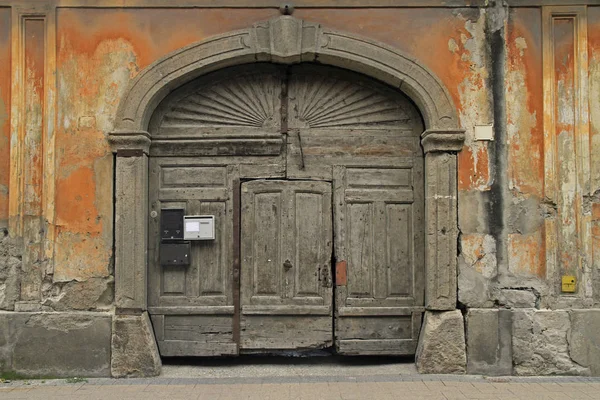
x=5, y=55
x=99, y=52
x=594, y=82
x=489, y=59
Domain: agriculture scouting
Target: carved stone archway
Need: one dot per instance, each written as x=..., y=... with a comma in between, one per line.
x=284, y=40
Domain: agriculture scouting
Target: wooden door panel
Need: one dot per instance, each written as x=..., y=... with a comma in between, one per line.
x=192, y=306
x=313, y=254
x=286, y=245
x=378, y=307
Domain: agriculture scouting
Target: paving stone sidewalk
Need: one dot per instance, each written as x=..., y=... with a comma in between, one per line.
x=380, y=387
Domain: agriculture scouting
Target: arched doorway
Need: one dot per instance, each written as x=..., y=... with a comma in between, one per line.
x=286, y=41
x=330, y=170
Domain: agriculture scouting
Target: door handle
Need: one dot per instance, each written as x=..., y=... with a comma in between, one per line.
x=287, y=264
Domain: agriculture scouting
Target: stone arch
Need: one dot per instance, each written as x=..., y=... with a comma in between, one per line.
x=283, y=40
x=287, y=40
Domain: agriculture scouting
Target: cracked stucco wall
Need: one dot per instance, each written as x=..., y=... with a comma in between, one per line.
x=489, y=59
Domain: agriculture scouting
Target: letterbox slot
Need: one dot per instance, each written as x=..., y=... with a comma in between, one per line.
x=175, y=254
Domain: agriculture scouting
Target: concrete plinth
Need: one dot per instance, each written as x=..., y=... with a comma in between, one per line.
x=55, y=344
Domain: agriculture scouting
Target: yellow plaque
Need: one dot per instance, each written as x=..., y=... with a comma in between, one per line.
x=568, y=284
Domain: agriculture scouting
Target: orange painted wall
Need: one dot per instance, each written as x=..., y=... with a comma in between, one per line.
x=448, y=41
x=5, y=50
x=594, y=66
x=101, y=50
x=525, y=118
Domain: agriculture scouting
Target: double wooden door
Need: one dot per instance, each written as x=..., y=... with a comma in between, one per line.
x=315, y=179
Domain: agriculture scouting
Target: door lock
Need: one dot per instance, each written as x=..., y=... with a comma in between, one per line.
x=287, y=265
x=325, y=276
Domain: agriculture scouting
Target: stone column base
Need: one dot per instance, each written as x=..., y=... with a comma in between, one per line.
x=441, y=348
x=134, y=350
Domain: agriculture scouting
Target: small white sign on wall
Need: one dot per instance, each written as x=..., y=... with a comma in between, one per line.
x=484, y=132
x=199, y=227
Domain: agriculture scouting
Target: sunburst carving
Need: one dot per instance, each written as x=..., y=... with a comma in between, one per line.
x=250, y=100
x=322, y=101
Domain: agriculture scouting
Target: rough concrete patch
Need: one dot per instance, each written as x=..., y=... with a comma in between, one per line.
x=477, y=266
x=526, y=215
x=61, y=344
x=92, y=294
x=10, y=271
x=518, y=298
x=473, y=288
x=540, y=343
x=489, y=345
x=134, y=350
x=472, y=211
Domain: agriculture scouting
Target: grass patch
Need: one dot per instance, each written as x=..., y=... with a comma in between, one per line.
x=76, y=379
x=6, y=376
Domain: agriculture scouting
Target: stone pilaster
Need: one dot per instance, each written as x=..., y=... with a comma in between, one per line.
x=131, y=219
x=441, y=224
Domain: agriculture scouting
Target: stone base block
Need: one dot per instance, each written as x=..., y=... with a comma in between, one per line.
x=489, y=342
x=55, y=344
x=541, y=342
x=441, y=348
x=134, y=350
x=584, y=339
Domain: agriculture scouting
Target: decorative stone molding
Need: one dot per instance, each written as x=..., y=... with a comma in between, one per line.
x=136, y=140
x=451, y=140
x=287, y=40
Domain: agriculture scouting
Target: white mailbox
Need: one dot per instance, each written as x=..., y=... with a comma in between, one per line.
x=199, y=227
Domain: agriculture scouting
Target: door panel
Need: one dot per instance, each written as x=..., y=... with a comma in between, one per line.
x=286, y=247
x=192, y=306
x=379, y=306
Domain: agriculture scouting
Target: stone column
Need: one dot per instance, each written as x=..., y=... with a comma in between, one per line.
x=441, y=224
x=134, y=349
x=131, y=219
x=441, y=348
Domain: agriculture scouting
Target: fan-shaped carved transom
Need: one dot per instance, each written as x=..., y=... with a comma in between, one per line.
x=325, y=97
x=261, y=96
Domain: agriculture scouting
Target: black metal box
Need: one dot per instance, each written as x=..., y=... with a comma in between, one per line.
x=171, y=223
x=175, y=254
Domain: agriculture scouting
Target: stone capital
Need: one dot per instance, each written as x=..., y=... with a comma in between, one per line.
x=447, y=140
x=128, y=141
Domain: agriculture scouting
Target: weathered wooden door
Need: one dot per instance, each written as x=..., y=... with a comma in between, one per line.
x=330, y=208
x=364, y=137
x=286, y=284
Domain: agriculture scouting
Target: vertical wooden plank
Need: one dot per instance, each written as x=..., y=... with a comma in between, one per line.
x=236, y=256
x=359, y=225
x=267, y=243
x=309, y=243
x=399, y=255
x=212, y=267
x=418, y=223
x=381, y=243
